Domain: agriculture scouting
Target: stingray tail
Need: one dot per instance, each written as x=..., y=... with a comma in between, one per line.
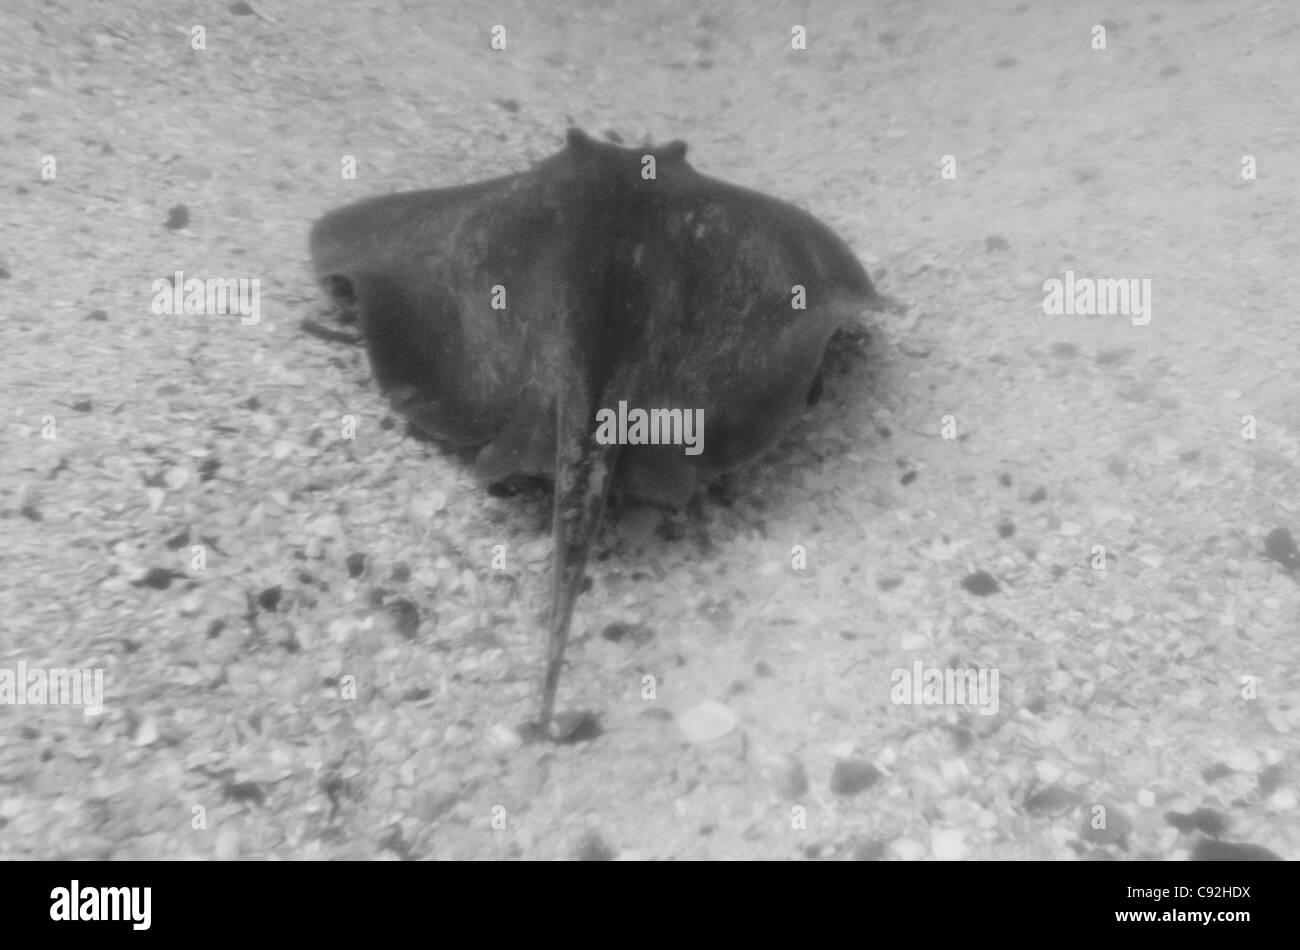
x=584, y=469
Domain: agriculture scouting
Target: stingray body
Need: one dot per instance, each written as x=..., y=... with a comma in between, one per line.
x=504, y=316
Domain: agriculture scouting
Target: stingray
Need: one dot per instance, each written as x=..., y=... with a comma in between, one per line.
x=608, y=317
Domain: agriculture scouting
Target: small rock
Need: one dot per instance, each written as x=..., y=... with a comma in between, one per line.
x=1214, y=772
x=503, y=738
x=536, y=550
x=269, y=599
x=1052, y=801
x=706, y=721
x=405, y=616
x=851, y=776
x=1269, y=778
x=1206, y=820
x=637, y=633
x=580, y=725
x=1281, y=547
x=178, y=217
x=980, y=583
x=147, y=732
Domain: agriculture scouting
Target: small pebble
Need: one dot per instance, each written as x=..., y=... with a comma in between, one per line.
x=178, y=217
x=1206, y=820
x=851, y=776
x=568, y=728
x=1281, y=547
x=980, y=583
x=706, y=721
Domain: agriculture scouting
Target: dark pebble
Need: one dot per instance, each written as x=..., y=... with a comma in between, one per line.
x=981, y=584
x=851, y=776
x=406, y=617
x=1212, y=773
x=178, y=217
x=637, y=633
x=269, y=599
x=1206, y=820
x=159, y=578
x=1052, y=801
x=1270, y=779
x=568, y=728
x=1281, y=547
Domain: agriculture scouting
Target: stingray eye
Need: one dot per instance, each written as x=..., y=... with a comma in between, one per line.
x=673, y=153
